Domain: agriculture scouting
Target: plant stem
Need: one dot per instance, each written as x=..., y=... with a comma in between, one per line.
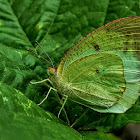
x=79, y=118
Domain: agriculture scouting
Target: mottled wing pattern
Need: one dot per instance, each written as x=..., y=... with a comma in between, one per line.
x=97, y=79
x=120, y=37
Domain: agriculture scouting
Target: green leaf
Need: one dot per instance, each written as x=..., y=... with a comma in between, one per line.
x=21, y=118
x=98, y=136
x=56, y=25
x=110, y=122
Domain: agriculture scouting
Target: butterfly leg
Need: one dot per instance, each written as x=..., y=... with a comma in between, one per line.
x=40, y=81
x=47, y=95
x=65, y=99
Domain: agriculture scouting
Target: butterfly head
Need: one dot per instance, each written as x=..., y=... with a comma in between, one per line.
x=53, y=76
x=52, y=71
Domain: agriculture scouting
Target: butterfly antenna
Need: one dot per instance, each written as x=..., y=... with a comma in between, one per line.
x=45, y=53
x=40, y=57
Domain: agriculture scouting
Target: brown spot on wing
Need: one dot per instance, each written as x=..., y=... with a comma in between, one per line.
x=96, y=47
x=97, y=71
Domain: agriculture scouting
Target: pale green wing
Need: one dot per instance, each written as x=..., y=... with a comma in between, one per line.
x=95, y=81
x=121, y=37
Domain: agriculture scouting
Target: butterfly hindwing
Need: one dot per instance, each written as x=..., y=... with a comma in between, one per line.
x=97, y=79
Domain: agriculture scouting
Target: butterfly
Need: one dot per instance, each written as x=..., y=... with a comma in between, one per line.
x=102, y=70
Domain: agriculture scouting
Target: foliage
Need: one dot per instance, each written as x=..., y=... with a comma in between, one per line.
x=56, y=25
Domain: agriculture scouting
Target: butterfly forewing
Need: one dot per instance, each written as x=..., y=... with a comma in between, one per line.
x=121, y=36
